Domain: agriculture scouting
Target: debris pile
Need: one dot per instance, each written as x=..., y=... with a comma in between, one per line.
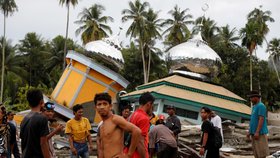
x=235, y=141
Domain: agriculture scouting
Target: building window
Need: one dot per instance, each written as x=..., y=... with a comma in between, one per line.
x=184, y=113
x=136, y=107
x=155, y=107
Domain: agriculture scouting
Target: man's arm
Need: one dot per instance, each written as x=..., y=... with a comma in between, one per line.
x=99, y=147
x=72, y=148
x=260, y=124
x=57, y=129
x=152, y=141
x=177, y=123
x=45, y=146
x=204, y=141
x=129, y=127
x=141, y=147
x=90, y=141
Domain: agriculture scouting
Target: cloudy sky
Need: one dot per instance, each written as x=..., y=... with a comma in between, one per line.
x=48, y=18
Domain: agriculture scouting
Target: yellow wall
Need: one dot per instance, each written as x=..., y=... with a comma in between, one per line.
x=69, y=88
x=88, y=89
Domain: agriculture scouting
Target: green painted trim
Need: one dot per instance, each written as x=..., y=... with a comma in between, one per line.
x=193, y=103
x=191, y=89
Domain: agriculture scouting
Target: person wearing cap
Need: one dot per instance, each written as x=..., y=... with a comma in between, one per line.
x=258, y=126
x=48, y=111
x=162, y=142
x=172, y=121
x=10, y=118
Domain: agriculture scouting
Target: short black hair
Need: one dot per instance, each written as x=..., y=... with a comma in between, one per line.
x=206, y=109
x=34, y=96
x=145, y=98
x=126, y=107
x=102, y=96
x=77, y=107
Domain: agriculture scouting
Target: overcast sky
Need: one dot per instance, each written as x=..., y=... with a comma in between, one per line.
x=48, y=18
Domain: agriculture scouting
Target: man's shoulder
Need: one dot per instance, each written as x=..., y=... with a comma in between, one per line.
x=260, y=104
x=173, y=118
x=85, y=119
x=140, y=115
x=206, y=123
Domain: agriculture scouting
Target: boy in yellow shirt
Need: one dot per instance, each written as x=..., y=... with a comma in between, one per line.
x=77, y=129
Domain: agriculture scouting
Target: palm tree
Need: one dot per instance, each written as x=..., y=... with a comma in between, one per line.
x=93, y=24
x=54, y=61
x=254, y=32
x=33, y=51
x=8, y=7
x=13, y=70
x=152, y=32
x=137, y=12
x=274, y=53
x=227, y=36
x=67, y=3
x=208, y=29
x=261, y=17
x=177, y=31
x=250, y=39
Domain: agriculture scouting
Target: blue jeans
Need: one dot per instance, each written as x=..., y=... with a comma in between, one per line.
x=82, y=150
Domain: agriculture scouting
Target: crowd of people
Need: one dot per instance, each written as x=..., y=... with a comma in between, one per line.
x=144, y=134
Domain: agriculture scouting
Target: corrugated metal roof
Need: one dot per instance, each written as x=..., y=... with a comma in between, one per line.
x=196, y=97
x=176, y=79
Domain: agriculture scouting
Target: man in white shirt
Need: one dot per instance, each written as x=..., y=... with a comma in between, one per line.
x=217, y=122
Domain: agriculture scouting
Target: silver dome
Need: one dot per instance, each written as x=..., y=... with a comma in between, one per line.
x=107, y=48
x=195, y=56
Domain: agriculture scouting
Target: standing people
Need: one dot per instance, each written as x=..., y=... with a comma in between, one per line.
x=126, y=112
x=111, y=131
x=172, y=121
x=258, y=126
x=7, y=135
x=153, y=119
x=141, y=119
x=15, y=150
x=34, y=128
x=78, y=133
x=162, y=138
x=217, y=122
x=207, y=149
x=48, y=111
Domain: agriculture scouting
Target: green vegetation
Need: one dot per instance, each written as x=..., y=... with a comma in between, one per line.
x=37, y=62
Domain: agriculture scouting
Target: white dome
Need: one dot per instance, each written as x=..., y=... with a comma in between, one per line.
x=108, y=47
x=194, y=48
x=195, y=56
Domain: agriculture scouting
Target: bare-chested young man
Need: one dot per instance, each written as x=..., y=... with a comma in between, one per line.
x=111, y=131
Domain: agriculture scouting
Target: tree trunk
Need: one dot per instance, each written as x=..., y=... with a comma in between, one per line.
x=251, y=76
x=149, y=66
x=143, y=61
x=275, y=68
x=273, y=62
x=66, y=36
x=3, y=61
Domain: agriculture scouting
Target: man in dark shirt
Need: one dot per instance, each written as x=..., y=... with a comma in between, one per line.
x=34, y=128
x=207, y=150
x=173, y=122
x=163, y=138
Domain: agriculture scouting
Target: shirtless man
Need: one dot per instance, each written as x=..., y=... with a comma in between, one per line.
x=111, y=131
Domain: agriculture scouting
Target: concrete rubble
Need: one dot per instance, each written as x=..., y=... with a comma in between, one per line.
x=236, y=145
